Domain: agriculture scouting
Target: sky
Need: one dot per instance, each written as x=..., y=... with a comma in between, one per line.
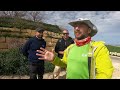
x=107, y=23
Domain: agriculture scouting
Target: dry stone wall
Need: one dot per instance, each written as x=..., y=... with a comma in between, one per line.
x=7, y=41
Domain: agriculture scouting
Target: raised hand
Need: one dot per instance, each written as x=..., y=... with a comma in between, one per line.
x=45, y=55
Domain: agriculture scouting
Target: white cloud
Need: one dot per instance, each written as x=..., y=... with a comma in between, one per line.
x=107, y=22
x=102, y=19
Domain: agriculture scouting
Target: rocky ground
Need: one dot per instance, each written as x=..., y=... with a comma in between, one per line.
x=116, y=73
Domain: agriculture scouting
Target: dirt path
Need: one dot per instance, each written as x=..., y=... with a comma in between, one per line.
x=46, y=76
x=116, y=64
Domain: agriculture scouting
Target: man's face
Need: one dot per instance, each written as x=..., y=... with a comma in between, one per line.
x=39, y=34
x=65, y=34
x=81, y=31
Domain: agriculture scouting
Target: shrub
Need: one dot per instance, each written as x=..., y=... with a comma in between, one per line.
x=13, y=62
x=49, y=67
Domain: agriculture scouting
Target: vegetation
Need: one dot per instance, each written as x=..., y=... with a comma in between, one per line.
x=16, y=36
x=26, y=24
x=113, y=48
x=13, y=62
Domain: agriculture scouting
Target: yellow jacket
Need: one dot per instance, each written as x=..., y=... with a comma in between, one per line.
x=103, y=64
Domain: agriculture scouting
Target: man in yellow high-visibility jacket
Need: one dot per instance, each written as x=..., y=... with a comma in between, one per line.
x=86, y=59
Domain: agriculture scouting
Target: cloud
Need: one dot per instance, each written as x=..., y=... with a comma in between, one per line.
x=107, y=22
x=102, y=19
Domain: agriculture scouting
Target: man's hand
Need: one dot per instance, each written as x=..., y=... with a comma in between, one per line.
x=45, y=55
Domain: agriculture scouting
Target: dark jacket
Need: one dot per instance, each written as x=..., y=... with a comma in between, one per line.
x=30, y=47
x=62, y=44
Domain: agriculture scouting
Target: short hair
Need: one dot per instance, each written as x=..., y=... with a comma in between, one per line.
x=66, y=30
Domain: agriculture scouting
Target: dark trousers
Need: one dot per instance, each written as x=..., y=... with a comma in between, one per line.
x=36, y=70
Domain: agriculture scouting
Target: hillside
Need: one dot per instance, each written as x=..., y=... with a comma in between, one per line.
x=113, y=48
x=26, y=24
x=17, y=31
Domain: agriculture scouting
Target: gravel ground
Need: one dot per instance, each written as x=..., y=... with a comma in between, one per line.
x=46, y=76
x=116, y=73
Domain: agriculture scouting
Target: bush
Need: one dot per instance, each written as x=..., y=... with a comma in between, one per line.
x=49, y=67
x=13, y=62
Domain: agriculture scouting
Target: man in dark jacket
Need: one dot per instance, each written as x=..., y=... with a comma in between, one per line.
x=61, y=45
x=36, y=66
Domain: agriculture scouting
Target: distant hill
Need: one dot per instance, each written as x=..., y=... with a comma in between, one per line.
x=113, y=48
x=26, y=24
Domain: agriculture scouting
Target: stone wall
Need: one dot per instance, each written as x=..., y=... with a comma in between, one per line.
x=25, y=32
x=13, y=42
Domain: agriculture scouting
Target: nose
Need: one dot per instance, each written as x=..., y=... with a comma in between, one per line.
x=76, y=28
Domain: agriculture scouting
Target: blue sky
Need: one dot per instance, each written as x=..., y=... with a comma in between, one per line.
x=107, y=22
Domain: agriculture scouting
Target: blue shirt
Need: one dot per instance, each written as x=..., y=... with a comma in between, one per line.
x=30, y=47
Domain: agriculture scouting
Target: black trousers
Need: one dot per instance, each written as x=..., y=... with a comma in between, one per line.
x=36, y=70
